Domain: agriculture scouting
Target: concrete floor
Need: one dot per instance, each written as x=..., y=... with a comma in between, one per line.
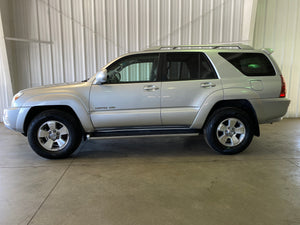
x=163, y=180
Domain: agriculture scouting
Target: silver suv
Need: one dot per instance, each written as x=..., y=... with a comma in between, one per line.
x=224, y=91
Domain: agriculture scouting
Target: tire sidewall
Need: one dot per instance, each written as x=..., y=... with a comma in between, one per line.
x=210, y=130
x=62, y=117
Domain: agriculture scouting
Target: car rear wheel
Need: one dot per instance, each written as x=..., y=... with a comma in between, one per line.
x=228, y=131
x=54, y=134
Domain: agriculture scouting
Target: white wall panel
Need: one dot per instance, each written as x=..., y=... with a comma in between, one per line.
x=5, y=82
x=67, y=39
x=90, y=35
x=55, y=37
x=72, y=39
x=278, y=27
x=100, y=24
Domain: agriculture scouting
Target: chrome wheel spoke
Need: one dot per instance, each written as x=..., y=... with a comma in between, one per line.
x=232, y=122
x=48, y=144
x=240, y=130
x=60, y=142
x=223, y=139
x=235, y=141
x=63, y=131
x=51, y=125
x=222, y=127
x=43, y=134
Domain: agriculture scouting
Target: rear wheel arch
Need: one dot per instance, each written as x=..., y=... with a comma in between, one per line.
x=243, y=105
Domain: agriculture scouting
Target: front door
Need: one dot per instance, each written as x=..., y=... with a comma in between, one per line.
x=131, y=96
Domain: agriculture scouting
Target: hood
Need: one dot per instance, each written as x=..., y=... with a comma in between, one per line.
x=46, y=88
x=56, y=91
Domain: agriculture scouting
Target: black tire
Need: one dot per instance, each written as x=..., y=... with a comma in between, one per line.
x=57, y=142
x=225, y=138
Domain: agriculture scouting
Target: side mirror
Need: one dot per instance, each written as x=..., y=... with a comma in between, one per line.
x=101, y=77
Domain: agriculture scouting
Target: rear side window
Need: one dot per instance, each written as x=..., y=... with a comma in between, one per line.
x=188, y=66
x=250, y=64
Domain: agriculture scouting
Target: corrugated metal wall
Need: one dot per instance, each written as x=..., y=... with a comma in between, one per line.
x=5, y=82
x=72, y=39
x=278, y=27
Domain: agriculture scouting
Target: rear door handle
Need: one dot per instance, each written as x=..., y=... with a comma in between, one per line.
x=150, y=88
x=207, y=85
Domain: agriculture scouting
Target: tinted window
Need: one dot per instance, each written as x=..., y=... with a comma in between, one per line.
x=134, y=68
x=250, y=64
x=188, y=66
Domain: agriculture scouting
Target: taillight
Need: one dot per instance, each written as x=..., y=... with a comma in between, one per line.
x=283, y=88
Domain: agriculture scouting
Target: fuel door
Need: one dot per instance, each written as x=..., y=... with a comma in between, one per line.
x=256, y=85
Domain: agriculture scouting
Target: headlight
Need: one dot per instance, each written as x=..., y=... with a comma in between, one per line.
x=18, y=95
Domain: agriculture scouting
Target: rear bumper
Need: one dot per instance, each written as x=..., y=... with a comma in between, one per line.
x=270, y=110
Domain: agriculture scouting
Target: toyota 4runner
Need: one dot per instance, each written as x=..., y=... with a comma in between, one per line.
x=224, y=91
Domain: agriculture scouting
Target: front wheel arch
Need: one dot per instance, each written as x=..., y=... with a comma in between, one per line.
x=34, y=111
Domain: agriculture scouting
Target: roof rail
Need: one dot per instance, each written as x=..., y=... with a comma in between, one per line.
x=213, y=46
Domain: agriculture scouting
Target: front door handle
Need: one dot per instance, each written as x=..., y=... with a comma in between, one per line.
x=207, y=85
x=150, y=88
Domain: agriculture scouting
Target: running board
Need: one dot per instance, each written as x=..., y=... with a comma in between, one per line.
x=141, y=133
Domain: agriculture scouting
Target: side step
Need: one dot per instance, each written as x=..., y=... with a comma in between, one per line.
x=141, y=133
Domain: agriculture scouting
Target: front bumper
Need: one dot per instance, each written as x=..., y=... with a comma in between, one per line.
x=14, y=118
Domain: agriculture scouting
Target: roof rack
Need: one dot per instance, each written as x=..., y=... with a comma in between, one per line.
x=213, y=46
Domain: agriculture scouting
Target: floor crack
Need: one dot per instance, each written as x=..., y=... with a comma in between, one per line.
x=295, y=164
x=51, y=191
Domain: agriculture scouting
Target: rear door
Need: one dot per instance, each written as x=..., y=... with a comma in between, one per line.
x=188, y=79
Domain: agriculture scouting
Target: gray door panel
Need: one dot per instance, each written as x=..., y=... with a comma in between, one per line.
x=181, y=100
x=125, y=104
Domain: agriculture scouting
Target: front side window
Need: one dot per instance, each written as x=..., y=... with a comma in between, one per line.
x=134, y=68
x=188, y=66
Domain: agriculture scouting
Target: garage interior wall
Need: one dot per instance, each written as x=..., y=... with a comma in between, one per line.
x=5, y=81
x=278, y=27
x=55, y=41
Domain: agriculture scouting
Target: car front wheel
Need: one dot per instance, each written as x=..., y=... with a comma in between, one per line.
x=54, y=134
x=228, y=131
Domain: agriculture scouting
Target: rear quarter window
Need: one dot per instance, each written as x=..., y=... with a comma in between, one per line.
x=250, y=64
